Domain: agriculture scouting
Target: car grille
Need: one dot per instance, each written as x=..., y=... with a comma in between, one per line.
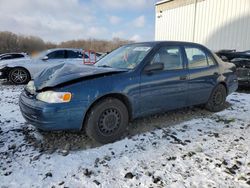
x=243, y=72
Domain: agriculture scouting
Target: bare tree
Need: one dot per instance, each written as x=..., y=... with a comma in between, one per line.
x=10, y=42
x=94, y=44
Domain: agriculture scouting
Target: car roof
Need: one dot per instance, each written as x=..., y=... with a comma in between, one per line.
x=168, y=42
x=73, y=49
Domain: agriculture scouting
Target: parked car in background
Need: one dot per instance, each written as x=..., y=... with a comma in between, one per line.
x=242, y=62
x=247, y=52
x=134, y=80
x=22, y=70
x=228, y=55
x=243, y=71
x=9, y=56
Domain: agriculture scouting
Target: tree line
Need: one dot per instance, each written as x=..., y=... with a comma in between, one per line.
x=11, y=42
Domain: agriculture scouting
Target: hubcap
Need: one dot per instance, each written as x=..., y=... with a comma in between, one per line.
x=109, y=121
x=218, y=98
x=19, y=76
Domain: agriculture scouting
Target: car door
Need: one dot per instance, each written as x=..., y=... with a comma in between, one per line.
x=164, y=89
x=203, y=74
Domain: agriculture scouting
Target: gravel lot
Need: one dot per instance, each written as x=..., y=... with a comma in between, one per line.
x=185, y=148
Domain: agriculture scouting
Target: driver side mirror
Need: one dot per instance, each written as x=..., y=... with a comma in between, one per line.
x=45, y=58
x=154, y=67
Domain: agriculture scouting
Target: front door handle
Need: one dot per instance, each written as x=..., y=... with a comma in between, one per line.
x=185, y=77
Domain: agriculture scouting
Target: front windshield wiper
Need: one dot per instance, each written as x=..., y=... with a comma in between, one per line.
x=105, y=66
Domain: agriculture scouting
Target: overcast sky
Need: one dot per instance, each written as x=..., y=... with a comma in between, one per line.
x=60, y=20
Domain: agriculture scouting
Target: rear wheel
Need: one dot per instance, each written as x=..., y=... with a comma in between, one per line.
x=217, y=99
x=107, y=120
x=19, y=76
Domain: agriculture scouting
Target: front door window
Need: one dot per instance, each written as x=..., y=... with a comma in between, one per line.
x=170, y=56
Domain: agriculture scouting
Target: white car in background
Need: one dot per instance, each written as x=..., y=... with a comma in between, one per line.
x=20, y=71
x=11, y=56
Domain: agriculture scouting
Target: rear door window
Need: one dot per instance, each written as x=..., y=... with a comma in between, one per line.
x=196, y=58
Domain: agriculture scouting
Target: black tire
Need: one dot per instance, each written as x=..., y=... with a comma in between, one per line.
x=217, y=99
x=107, y=120
x=19, y=76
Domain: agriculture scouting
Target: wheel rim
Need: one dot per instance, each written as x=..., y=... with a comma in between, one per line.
x=218, y=98
x=109, y=121
x=19, y=76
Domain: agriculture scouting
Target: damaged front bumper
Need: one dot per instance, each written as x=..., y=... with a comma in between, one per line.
x=52, y=117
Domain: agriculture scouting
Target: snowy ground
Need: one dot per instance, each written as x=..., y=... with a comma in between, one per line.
x=185, y=148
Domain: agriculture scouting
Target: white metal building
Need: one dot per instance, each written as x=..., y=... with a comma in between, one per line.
x=218, y=24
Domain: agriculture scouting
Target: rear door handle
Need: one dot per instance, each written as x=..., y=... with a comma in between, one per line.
x=185, y=77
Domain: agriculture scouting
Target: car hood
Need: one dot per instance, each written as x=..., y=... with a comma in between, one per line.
x=68, y=73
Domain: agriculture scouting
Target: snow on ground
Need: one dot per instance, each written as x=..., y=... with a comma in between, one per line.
x=185, y=148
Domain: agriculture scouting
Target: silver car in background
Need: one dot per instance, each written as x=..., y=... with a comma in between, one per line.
x=20, y=71
x=11, y=56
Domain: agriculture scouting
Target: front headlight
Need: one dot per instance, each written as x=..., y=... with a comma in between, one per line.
x=54, y=97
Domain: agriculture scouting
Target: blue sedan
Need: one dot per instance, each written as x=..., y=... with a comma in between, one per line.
x=134, y=80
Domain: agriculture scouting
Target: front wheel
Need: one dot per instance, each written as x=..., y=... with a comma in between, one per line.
x=217, y=99
x=19, y=76
x=107, y=120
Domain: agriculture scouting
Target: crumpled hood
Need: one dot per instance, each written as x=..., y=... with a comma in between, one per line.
x=53, y=76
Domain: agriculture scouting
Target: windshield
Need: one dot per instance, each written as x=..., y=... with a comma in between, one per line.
x=125, y=57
